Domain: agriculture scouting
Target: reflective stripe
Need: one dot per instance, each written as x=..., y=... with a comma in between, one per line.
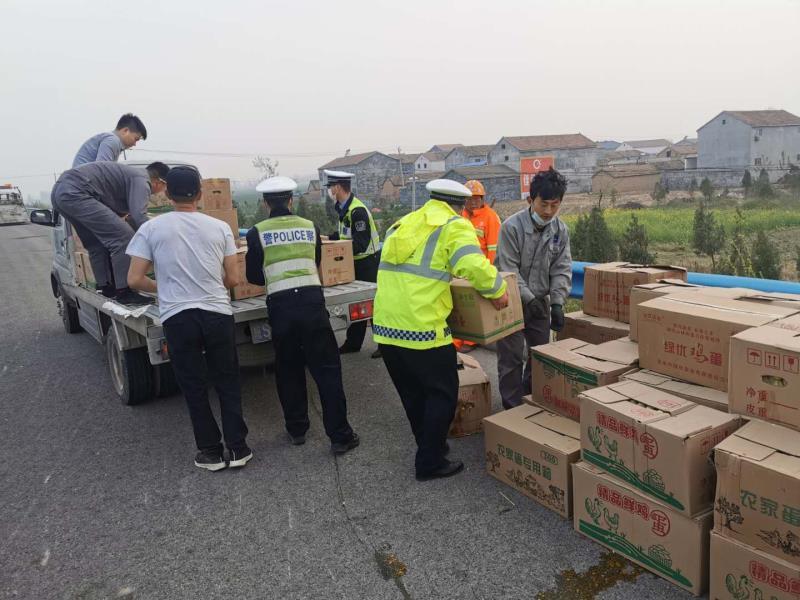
x=407, y=334
x=418, y=270
x=293, y=282
x=498, y=283
x=479, y=232
x=462, y=252
x=295, y=264
x=492, y=247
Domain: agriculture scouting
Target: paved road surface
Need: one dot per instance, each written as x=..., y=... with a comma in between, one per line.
x=99, y=500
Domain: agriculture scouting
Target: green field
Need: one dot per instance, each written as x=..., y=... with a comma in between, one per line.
x=674, y=225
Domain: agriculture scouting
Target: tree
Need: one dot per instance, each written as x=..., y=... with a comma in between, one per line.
x=707, y=189
x=747, y=181
x=634, y=244
x=708, y=236
x=738, y=261
x=659, y=192
x=763, y=187
x=265, y=166
x=766, y=258
x=593, y=241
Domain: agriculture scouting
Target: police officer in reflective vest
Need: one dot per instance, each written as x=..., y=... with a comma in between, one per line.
x=420, y=255
x=283, y=253
x=355, y=223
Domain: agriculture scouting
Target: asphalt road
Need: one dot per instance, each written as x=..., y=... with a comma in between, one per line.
x=99, y=500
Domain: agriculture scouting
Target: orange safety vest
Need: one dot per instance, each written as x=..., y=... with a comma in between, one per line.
x=487, y=226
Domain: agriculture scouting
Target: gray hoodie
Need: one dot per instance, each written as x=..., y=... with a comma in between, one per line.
x=541, y=259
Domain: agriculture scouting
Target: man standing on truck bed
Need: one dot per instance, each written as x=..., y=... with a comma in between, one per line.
x=106, y=202
x=355, y=223
x=534, y=244
x=283, y=254
x=195, y=261
x=109, y=145
x=423, y=251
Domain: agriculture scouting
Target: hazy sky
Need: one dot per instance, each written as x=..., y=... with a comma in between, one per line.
x=303, y=81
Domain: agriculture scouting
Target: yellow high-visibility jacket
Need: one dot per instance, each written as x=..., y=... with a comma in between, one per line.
x=421, y=254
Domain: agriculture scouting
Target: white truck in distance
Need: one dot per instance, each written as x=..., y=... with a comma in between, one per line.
x=12, y=209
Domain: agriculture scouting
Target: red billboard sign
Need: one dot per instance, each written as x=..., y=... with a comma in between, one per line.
x=528, y=167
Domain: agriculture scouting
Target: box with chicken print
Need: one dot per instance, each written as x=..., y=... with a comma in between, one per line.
x=651, y=534
x=758, y=489
x=531, y=450
x=560, y=371
x=655, y=442
x=740, y=572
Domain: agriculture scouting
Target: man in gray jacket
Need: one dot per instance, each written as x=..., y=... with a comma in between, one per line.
x=534, y=244
x=106, y=202
x=110, y=144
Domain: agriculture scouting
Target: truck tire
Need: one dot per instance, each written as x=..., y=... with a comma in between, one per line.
x=131, y=373
x=164, y=382
x=69, y=315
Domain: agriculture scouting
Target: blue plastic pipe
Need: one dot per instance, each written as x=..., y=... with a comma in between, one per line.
x=724, y=281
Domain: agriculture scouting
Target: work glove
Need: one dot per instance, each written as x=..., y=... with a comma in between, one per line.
x=556, y=317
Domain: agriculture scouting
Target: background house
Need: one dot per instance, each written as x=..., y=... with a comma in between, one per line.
x=652, y=147
x=467, y=156
x=626, y=178
x=429, y=162
x=574, y=155
x=738, y=139
x=501, y=182
x=370, y=170
x=684, y=150
x=408, y=161
x=443, y=147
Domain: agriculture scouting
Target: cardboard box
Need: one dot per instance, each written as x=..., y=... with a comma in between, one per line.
x=648, y=291
x=216, y=194
x=650, y=534
x=531, y=450
x=562, y=370
x=683, y=389
x=229, y=215
x=336, y=265
x=473, y=317
x=592, y=330
x=688, y=335
x=654, y=442
x=765, y=375
x=758, y=489
x=607, y=286
x=245, y=289
x=474, y=397
x=740, y=571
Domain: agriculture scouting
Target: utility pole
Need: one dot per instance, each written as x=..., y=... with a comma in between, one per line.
x=400, y=160
x=414, y=192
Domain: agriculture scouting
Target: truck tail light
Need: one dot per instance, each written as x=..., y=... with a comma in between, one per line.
x=361, y=310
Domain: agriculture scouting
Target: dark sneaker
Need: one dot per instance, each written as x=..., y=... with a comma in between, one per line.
x=297, y=440
x=339, y=448
x=211, y=461
x=130, y=298
x=239, y=458
x=448, y=470
x=376, y=354
x=109, y=291
x=345, y=349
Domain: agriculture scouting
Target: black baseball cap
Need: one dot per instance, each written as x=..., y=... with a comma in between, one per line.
x=183, y=182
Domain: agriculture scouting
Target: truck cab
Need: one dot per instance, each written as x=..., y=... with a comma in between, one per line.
x=12, y=208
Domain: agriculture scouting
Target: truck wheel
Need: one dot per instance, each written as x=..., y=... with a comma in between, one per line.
x=164, y=382
x=131, y=373
x=69, y=315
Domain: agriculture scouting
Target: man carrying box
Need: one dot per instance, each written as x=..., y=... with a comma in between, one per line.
x=195, y=261
x=534, y=243
x=283, y=253
x=355, y=223
x=423, y=251
x=106, y=202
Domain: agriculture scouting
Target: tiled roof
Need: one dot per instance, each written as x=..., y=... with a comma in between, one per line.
x=348, y=161
x=534, y=143
x=647, y=143
x=484, y=172
x=406, y=158
x=445, y=147
x=765, y=118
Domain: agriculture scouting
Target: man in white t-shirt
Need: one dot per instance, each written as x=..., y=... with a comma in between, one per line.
x=194, y=257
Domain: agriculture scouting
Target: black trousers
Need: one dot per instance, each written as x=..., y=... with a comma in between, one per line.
x=303, y=337
x=202, y=348
x=427, y=382
x=366, y=270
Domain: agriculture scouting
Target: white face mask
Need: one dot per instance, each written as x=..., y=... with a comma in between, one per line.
x=331, y=195
x=539, y=220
